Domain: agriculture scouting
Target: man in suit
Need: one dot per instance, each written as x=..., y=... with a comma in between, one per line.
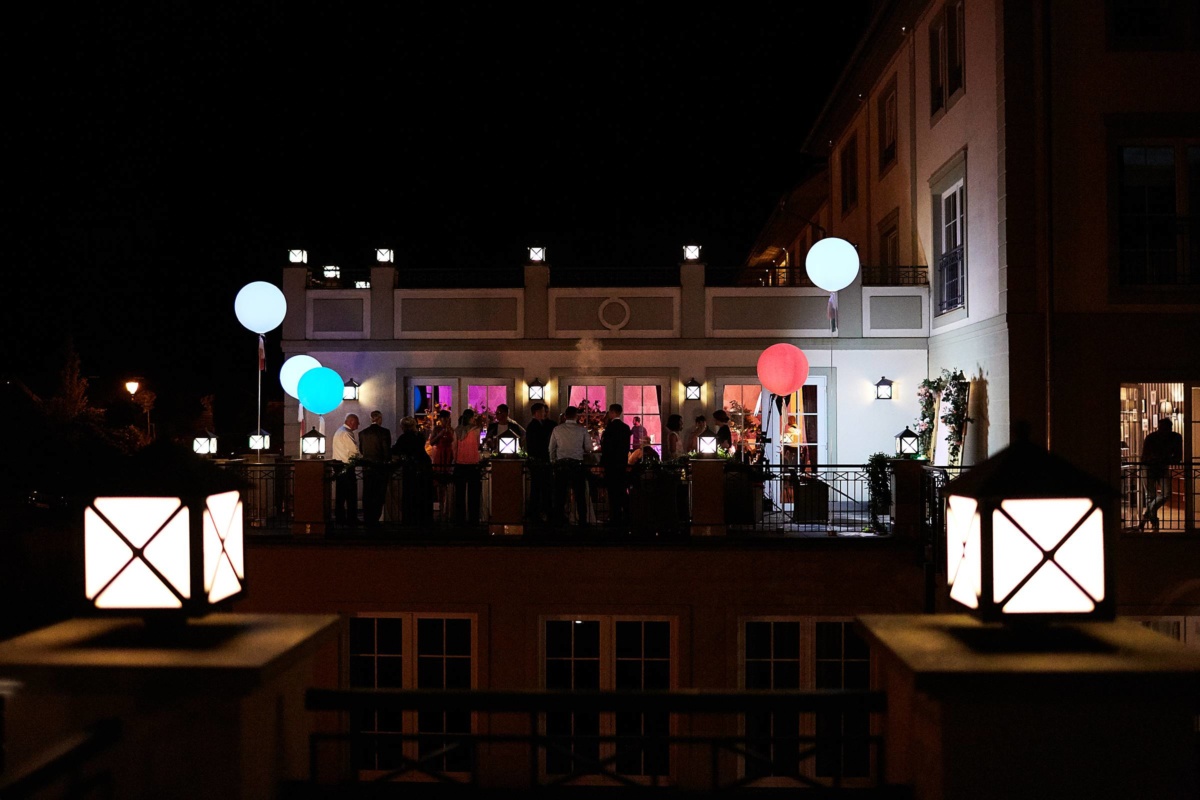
x=376, y=444
x=537, y=444
x=500, y=426
x=614, y=457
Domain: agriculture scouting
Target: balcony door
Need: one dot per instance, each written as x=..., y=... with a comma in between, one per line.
x=643, y=399
x=798, y=431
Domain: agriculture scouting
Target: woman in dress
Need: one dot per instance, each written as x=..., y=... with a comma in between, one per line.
x=441, y=451
x=673, y=442
x=467, y=477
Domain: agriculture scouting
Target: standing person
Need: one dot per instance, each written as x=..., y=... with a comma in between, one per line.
x=345, y=450
x=501, y=425
x=416, y=467
x=637, y=433
x=376, y=444
x=1161, y=449
x=699, y=429
x=441, y=453
x=569, y=442
x=537, y=445
x=614, y=457
x=467, y=481
x=673, y=441
x=724, y=435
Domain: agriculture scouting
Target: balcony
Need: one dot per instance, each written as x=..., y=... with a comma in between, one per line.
x=872, y=276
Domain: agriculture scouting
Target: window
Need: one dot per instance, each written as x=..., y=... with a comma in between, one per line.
x=645, y=403
x=608, y=653
x=1158, y=226
x=783, y=654
x=889, y=240
x=411, y=651
x=1153, y=25
x=946, y=56
x=849, y=169
x=950, y=233
x=887, y=126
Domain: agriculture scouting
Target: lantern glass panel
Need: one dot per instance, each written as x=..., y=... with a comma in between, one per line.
x=260, y=441
x=883, y=391
x=114, y=576
x=508, y=445
x=223, y=554
x=1025, y=579
x=537, y=391
x=708, y=445
x=384, y=256
x=298, y=256
x=691, y=252
x=691, y=390
x=537, y=254
x=963, y=550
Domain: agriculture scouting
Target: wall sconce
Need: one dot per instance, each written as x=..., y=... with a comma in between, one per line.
x=883, y=389
x=707, y=445
x=537, y=255
x=164, y=547
x=384, y=256
x=332, y=271
x=507, y=443
x=260, y=440
x=350, y=390
x=691, y=252
x=691, y=390
x=907, y=443
x=297, y=256
x=312, y=444
x=205, y=444
x=537, y=389
x=1026, y=534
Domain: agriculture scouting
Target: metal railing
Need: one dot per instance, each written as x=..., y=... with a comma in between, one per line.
x=933, y=502
x=1158, y=499
x=833, y=499
x=872, y=275
x=834, y=740
x=951, y=280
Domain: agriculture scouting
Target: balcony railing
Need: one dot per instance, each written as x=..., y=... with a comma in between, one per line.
x=1159, y=501
x=704, y=730
x=872, y=275
x=831, y=500
x=951, y=281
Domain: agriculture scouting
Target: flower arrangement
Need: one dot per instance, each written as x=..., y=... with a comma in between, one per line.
x=928, y=393
x=950, y=388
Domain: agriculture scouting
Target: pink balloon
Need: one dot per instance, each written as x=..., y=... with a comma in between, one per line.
x=782, y=368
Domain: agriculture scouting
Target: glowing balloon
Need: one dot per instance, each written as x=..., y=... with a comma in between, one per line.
x=832, y=264
x=260, y=306
x=320, y=390
x=782, y=369
x=292, y=370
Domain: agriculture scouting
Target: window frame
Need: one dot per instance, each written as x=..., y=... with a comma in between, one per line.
x=848, y=178
x=888, y=112
x=947, y=59
x=950, y=177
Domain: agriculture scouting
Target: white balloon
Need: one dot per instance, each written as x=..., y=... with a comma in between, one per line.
x=832, y=264
x=293, y=370
x=260, y=306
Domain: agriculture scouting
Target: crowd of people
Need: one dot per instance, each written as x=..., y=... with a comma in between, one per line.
x=441, y=466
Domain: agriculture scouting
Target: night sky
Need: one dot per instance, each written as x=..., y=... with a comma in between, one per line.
x=162, y=155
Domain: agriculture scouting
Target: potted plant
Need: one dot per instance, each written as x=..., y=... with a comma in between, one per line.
x=879, y=486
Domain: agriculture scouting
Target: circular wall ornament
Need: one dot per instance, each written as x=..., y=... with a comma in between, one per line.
x=614, y=326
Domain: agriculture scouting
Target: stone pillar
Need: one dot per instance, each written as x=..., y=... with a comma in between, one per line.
x=708, y=496
x=692, y=311
x=507, y=512
x=383, y=299
x=907, y=503
x=537, y=301
x=311, y=495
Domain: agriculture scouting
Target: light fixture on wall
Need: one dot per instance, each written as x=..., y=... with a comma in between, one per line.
x=312, y=444
x=384, y=256
x=537, y=255
x=260, y=441
x=205, y=444
x=537, y=390
x=883, y=389
x=691, y=390
x=691, y=252
x=907, y=443
x=350, y=389
x=1027, y=535
x=169, y=543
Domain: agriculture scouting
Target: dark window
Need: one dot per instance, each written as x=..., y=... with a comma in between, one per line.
x=849, y=165
x=643, y=662
x=377, y=662
x=947, y=56
x=572, y=663
x=772, y=661
x=843, y=661
x=1158, y=207
x=887, y=127
x=951, y=263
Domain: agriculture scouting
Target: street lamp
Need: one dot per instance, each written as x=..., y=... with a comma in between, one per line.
x=131, y=386
x=1026, y=538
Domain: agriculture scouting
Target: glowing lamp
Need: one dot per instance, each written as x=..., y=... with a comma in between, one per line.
x=331, y=271
x=260, y=440
x=169, y=543
x=907, y=443
x=205, y=444
x=537, y=254
x=132, y=387
x=350, y=389
x=782, y=369
x=691, y=252
x=883, y=389
x=384, y=256
x=832, y=264
x=292, y=370
x=297, y=256
x=691, y=390
x=707, y=445
x=362, y=284
x=312, y=444
x=260, y=306
x=1026, y=539
x=507, y=443
x=537, y=389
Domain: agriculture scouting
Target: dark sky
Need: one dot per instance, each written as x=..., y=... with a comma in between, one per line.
x=164, y=154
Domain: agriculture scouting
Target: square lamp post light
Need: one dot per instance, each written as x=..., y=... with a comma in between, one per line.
x=350, y=390
x=1027, y=539
x=260, y=440
x=691, y=252
x=691, y=390
x=907, y=443
x=508, y=443
x=169, y=543
x=537, y=255
x=707, y=445
x=537, y=389
x=312, y=444
x=384, y=255
x=205, y=444
x=883, y=389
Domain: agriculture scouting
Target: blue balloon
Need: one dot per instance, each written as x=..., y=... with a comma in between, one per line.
x=320, y=390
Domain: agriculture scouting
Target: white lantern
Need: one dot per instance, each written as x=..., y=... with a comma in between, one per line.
x=691, y=252
x=384, y=256
x=537, y=254
x=205, y=444
x=537, y=389
x=260, y=440
x=507, y=443
x=691, y=390
x=907, y=443
x=1026, y=538
x=832, y=264
x=332, y=271
x=297, y=256
x=350, y=390
x=312, y=444
x=707, y=444
x=883, y=389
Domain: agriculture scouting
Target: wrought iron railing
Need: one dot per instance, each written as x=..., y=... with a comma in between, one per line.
x=933, y=502
x=952, y=281
x=832, y=499
x=1159, y=499
x=872, y=275
x=837, y=742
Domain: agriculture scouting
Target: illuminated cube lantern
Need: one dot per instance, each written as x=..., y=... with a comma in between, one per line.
x=691, y=252
x=312, y=444
x=537, y=254
x=205, y=444
x=707, y=445
x=384, y=256
x=350, y=390
x=170, y=541
x=297, y=256
x=507, y=443
x=537, y=389
x=260, y=440
x=1027, y=536
x=691, y=390
x=907, y=443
